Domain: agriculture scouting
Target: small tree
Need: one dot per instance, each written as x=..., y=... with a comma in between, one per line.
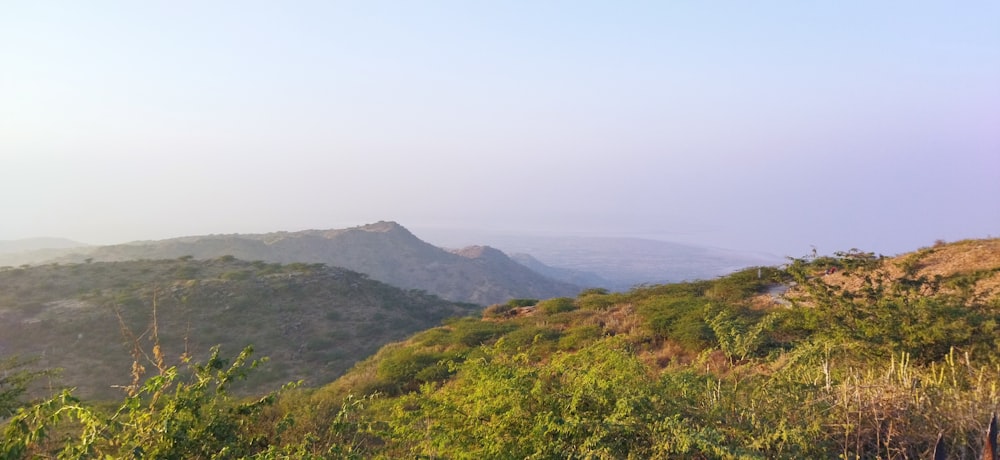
x=14, y=381
x=167, y=417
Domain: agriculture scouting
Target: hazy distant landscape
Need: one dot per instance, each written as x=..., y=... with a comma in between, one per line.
x=499, y=230
x=621, y=262
x=390, y=253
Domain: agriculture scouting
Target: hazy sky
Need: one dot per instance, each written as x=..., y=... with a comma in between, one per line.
x=766, y=125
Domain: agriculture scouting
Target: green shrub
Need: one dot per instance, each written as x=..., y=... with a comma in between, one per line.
x=186, y=272
x=404, y=369
x=436, y=336
x=680, y=319
x=534, y=337
x=472, y=332
x=578, y=337
x=15, y=377
x=236, y=275
x=166, y=417
x=513, y=303
x=597, y=299
x=556, y=305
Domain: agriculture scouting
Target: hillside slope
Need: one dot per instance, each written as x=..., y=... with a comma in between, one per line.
x=569, y=275
x=385, y=251
x=864, y=355
x=966, y=269
x=313, y=321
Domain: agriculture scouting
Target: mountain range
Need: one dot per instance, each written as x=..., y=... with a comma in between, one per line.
x=794, y=349
x=546, y=266
x=615, y=263
x=386, y=251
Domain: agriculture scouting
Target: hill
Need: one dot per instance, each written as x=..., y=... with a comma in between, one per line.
x=569, y=275
x=847, y=356
x=860, y=356
x=34, y=244
x=617, y=264
x=314, y=321
x=33, y=250
x=965, y=269
x=386, y=251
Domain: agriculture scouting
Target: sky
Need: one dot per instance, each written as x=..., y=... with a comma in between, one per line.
x=773, y=126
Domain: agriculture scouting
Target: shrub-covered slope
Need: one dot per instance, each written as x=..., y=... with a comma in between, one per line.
x=313, y=321
x=863, y=356
x=852, y=356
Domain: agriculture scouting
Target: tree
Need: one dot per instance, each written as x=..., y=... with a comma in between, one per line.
x=14, y=380
x=167, y=417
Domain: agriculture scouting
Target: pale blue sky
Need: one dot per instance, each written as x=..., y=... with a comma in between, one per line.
x=767, y=126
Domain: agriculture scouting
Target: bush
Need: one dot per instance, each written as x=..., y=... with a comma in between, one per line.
x=535, y=337
x=404, y=369
x=679, y=319
x=597, y=299
x=513, y=303
x=14, y=380
x=497, y=310
x=473, y=332
x=578, y=337
x=236, y=275
x=556, y=305
x=167, y=417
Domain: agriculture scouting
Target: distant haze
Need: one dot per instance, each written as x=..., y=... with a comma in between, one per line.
x=772, y=127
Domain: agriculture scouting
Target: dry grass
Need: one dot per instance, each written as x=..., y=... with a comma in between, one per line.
x=943, y=261
x=621, y=319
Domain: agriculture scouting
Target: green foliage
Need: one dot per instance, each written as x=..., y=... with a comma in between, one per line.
x=597, y=299
x=471, y=332
x=237, y=275
x=587, y=404
x=537, y=341
x=579, y=337
x=742, y=284
x=737, y=337
x=405, y=369
x=707, y=369
x=15, y=377
x=167, y=417
x=903, y=320
x=681, y=319
x=186, y=272
x=556, y=305
x=521, y=302
x=324, y=319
